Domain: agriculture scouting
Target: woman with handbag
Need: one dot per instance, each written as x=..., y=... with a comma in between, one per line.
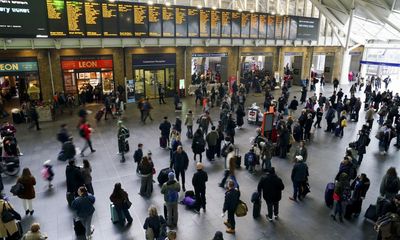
x=8, y=223
x=120, y=199
x=87, y=176
x=155, y=225
x=146, y=170
x=28, y=192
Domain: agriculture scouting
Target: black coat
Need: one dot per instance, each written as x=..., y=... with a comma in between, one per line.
x=180, y=161
x=74, y=178
x=231, y=200
x=165, y=128
x=199, y=180
x=299, y=172
x=198, y=144
x=271, y=186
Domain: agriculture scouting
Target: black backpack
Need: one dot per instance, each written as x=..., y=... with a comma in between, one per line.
x=392, y=185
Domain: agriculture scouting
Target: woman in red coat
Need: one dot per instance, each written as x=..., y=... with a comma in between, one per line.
x=28, y=193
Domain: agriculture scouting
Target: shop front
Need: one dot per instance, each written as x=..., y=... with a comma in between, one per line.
x=293, y=65
x=91, y=74
x=19, y=79
x=322, y=65
x=151, y=71
x=212, y=67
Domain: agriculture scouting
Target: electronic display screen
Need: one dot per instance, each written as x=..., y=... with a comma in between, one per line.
x=215, y=23
x=140, y=20
x=205, y=21
x=125, y=19
x=307, y=28
x=155, y=18
x=262, y=26
x=278, y=27
x=293, y=28
x=93, y=19
x=56, y=18
x=245, y=25
x=226, y=22
x=254, y=25
x=236, y=16
x=193, y=22
x=168, y=17
x=181, y=23
x=76, y=18
x=110, y=19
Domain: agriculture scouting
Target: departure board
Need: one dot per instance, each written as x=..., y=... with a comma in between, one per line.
x=226, y=21
x=168, y=17
x=293, y=28
x=76, y=18
x=181, y=23
x=254, y=25
x=307, y=28
x=286, y=27
x=235, y=24
x=56, y=18
x=278, y=27
x=262, y=26
x=93, y=19
x=140, y=20
x=125, y=20
x=215, y=25
x=245, y=25
x=110, y=19
x=155, y=17
x=205, y=21
x=271, y=27
x=193, y=22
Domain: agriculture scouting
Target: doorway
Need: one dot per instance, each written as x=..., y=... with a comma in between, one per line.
x=293, y=65
x=148, y=80
x=153, y=78
x=322, y=64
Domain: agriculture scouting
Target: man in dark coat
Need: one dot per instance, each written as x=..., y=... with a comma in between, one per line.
x=74, y=177
x=361, y=145
x=271, y=187
x=299, y=177
x=180, y=163
x=165, y=128
x=199, y=184
x=232, y=196
x=63, y=134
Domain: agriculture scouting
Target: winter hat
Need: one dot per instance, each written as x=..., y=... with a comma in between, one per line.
x=47, y=162
x=299, y=158
x=171, y=176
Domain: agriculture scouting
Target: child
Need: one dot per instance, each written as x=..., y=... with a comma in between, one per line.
x=47, y=172
x=138, y=155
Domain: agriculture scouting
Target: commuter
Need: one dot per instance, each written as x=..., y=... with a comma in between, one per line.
x=87, y=176
x=171, y=235
x=293, y=106
x=360, y=188
x=74, y=178
x=232, y=196
x=302, y=151
x=307, y=127
x=189, y=124
x=154, y=225
x=47, y=172
x=299, y=178
x=390, y=184
x=119, y=197
x=198, y=95
x=83, y=205
x=138, y=155
x=335, y=84
x=250, y=160
x=8, y=230
x=34, y=233
x=165, y=128
x=199, y=184
x=204, y=122
x=221, y=137
x=28, y=192
x=63, y=134
x=230, y=128
x=171, y=190
x=212, y=141
x=161, y=93
x=122, y=135
x=341, y=195
x=178, y=124
x=230, y=164
x=175, y=142
x=266, y=153
x=180, y=163
x=284, y=137
x=172, y=137
x=271, y=187
x=146, y=174
x=108, y=106
x=218, y=236
x=240, y=115
x=330, y=115
x=369, y=116
x=198, y=144
x=146, y=110
x=85, y=132
x=361, y=144
x=319, y=115
x=342, y=123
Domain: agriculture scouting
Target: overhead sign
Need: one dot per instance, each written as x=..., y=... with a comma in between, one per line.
x=307, y=28
x=86, y=64
x=387, y=64
x=153, y=60
x=18, y=66
x=210, y=55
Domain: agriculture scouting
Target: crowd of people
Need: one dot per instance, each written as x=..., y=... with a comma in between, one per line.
x=294, y=125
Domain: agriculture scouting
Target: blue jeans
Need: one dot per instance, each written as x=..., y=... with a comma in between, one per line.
x=296, y=189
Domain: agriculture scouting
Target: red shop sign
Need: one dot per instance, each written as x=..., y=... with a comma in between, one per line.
x=86, y=64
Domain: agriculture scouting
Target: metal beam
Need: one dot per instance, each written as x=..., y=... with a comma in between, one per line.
x=378, y=14
x=341, y=6
x=328, y=14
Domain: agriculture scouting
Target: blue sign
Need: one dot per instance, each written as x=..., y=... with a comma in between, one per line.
x=381, y=63
x=210, y=55
x=153, y=60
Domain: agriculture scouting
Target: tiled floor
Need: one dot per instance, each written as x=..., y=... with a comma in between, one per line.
x=305, y=220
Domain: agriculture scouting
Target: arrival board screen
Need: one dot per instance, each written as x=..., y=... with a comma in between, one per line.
x=215, y=23
x=125, y=20
x=193, y=22
x=76, y=18
x=24, y=18
x=235, y=24
x=245, y=25
x=278, y=27
x=93, y=19
x=140, y=20
x=271, y=27
x=56, y=18
x=286, y=27
x=205, y=23
x=307, y=28
x=168, y=17
x=110, y=19
x=181, y=24
x=254, y=25
x=155, y=26
x=262, y=29
x=226, y=22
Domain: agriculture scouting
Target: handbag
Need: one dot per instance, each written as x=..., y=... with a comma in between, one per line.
x=6, y=215
x=127, y=204
x=17, y=189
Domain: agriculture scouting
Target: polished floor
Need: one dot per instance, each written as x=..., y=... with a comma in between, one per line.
x=304, y=220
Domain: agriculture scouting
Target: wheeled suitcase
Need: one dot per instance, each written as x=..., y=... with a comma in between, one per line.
x=163, y=175
x=70, y=197
x=349, y=210
x=330, y=187
x=163, y=142
x=238, y=158
x=208, y=154
x=78, y=227
x=18, y=117
x=370, y=214
x=353, y=116
x=256, y=200
x=114, y=214
x=189, y=135
x=337, y=131
x=126, y=146
x=99, y=114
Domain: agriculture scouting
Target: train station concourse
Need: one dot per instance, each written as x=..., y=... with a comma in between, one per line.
x=199, y=119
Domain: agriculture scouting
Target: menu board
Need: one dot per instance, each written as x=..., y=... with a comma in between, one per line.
x=93, y=19
x=307, y=28
x=155, y=26
x=193, y=22
x=140, y=20
x=271, y=27
x=205, y=22
x=23, y=18
x=76, y=18
x=110, y=19
x=254, y=25
x=245, y=25
x=226, y=20
x=262, y=26
x=278, y=27
x=293, y=28
x=168, y=17
x=181, y=24
x=235, y=24
x=215, y=23
x=56, y=18
x=125, y=20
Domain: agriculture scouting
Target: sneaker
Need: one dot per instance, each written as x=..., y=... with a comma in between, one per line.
x=31, y=212
x=227, y=224
x=196, y=211
x=94, y=150
x=270, y=219
x=91, y=230
x=20, y=154
x=333, y=217
x=276, y=217
x=230, y=230
x=293, y=199
x=26, y=212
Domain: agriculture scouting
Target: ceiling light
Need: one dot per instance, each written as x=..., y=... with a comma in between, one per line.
x=167, y=4
x=150, y=2
x=273, y=13
x=240, y=10
x=214, y=7
x=252, y=11
x=199, y=7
